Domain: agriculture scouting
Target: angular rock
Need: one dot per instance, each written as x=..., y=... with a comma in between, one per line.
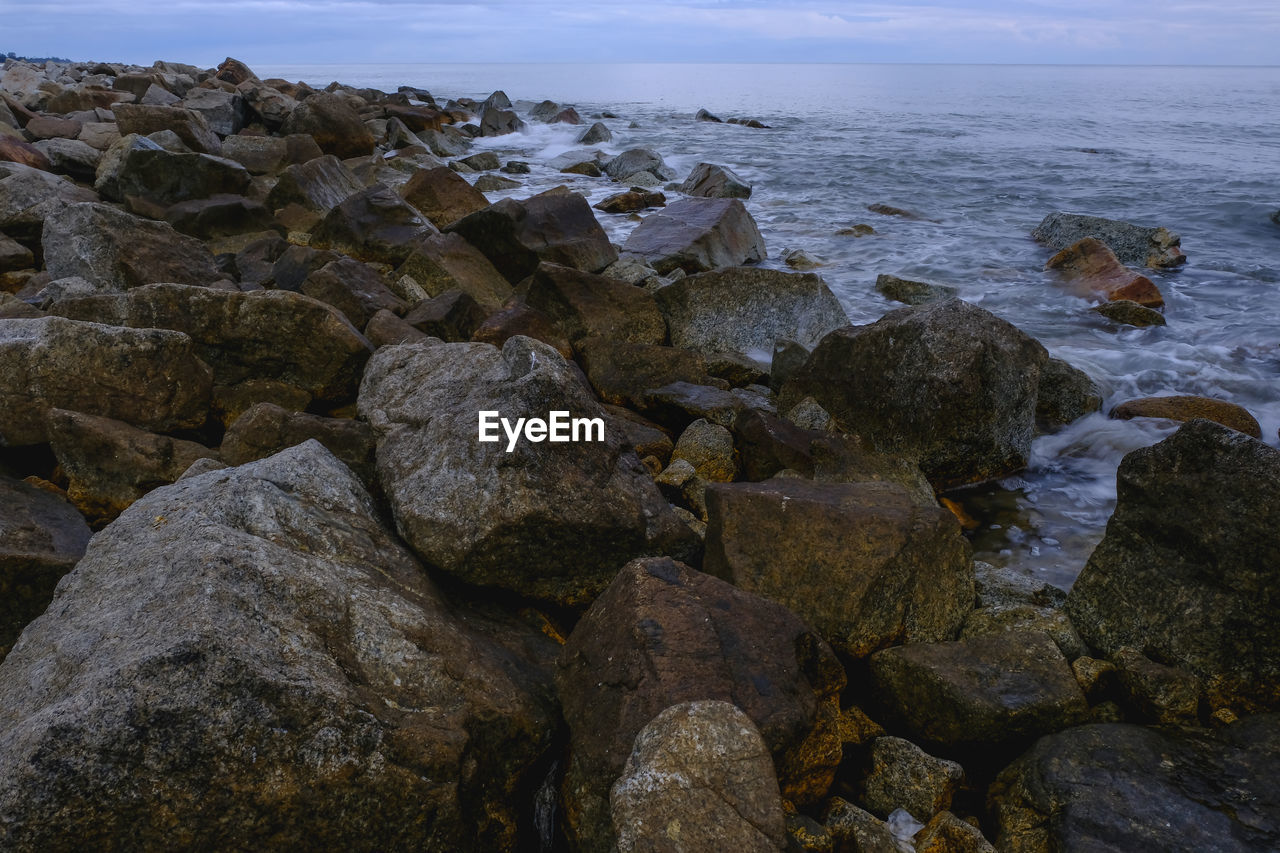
x=14, y=255
x=190, y=126
x=746, y=310
x=52, y=127
x=552, y=521
x=353, y=288
x=1094, y=270
x=444, y=262
x=946, y=383
x=1154, y=693
x=107, y=178
x=1186, y=407
x=499, y=122
x=110, y=464
x=42, y=537
x=621, y=371
x=699, y=777
x=494, y=184
x=584, y=305
x=709, y=449
x=631, y=201
x=320, y=184
x=556, y=226
x=110, y=247
x=30, y=196
x=901, y=775
x=517, y=318
x=1130, y=313
x=372, y=225
x=1125, y=787
x=482, y=162
x=224, y=112
x=697, y=235
x=911, y=292
x=442, y=195
x=981, y=693
x=260, y=155
x=1186, y=566
x=855, y=829
x=161, y=178
x=266, y=334
x=267, y=104
x=71, y=157
x=23, y=153
x=266, y=429
x=248, y=660
x=221, y=216
x=947, y=833
x=710, y=181
x=1132, y=244
x=330, y=120
x=594, y=135
x=99, y=134
x=636, y=160
x=1066, y=394
x=146, y=377
x=694, y=638
x=863, y=563
x=451, y=316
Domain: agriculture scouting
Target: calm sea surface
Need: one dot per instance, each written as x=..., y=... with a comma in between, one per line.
x=987, y=151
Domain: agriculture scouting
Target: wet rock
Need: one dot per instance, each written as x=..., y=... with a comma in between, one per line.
x=704, y=115
x=71, y=157
x=108, y=246
x=637, y=160
x=146, y=377
x=148, y=179
x=746, y=310
x=266, y=334
x=699, y=777
x=901, y=775
x=1183, y=569
x=320, y=184
x=1066, y=394
x=191, y=127
x=110, y=464
x=444, y=262
x=451, y=316
x=24, y=153
x=1132, y=244
x=355, y=289
x=1125, y=787
x=494, y=184
x=1151, y=692
x=587, y=168
x=696, y=638
x=484, y=161
x=546, y=520
x=621, y=371
x=857, y=830
x=1185, y=408
x=911, y=292
x=330, y=120
x=517, y=318
x=1093, y=269
x=322, y=646
x=442, y=195
x=980, y=693
x=516, y=167
x=373, y=225
x=594, y=135
x=499, y=122
x=556, y=226
x=221, y=216
x=697, y=235
x=1130, y=313
x=946, y=383
x=266, y=429
x=890, y=210
x=710, y=181
x=631, y=201
x=799, y=259
x=859, y=230
x=946, y=833
x=42, y=537
x=585, y=305
x=863, y=563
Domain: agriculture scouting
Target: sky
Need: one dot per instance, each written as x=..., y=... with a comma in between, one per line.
x=203, y=32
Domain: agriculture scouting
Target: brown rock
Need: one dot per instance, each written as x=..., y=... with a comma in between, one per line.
x=386, y=329
x=266, y=429
x=442, y=195
x=52, y=127
x=946, y=833
x=14, y=255
x=584, y=305
x=331, y=121
x=190, y=126
x=444, y=262
x=451, y=316
x=901, y=775
x=221, y=216
x=622, y=371
x=234, y=71
x=631, y=201
x=1130, y=313
x=16, y=151
x=355, y=289
x=372, y=225
x=518, y=318
x=320, y=184
x=1093, y=269
x=1185, y=408
x=697, y=235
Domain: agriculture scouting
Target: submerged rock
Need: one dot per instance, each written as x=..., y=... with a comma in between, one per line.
x=1094, y=270
x=711, y=181
x=1186, y=408
x=1132, y=244
x=1130, y=313
x=911, y=292
x=697, y=235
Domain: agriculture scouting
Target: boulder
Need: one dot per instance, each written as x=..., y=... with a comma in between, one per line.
x=598, y=132
x=694, y=638
x=699, y=777
x=451, y=316
x=190, y=126
x=911, y=292
x=482, y=161
x=148, y=179
x=221, y=216
x=234, y=71
x=1185, y=569
x=494, y=184
x=266, y=429
x=110, y=247
x=71, y=157
x=443, y=262
x=901, y=775
x=946, y=833
x=386, y=329
x=1185, y=408
x=30, y=196
x=863, y=563
x=747, y=310
x=355, y=289
x=442, y=195
x=517, y=318
x=900, y=213
x=585, y=305
x=551, y=521
x=631, y=201
x=696, y=235
x=1125, y=787
x=499, y=122
x=621, y=371
x=857, y=830
x=14, y=255
x=18, y=151
x=266, y=103
x=110, y=464
x=1093, y=270
x=147, y=377
x=99, y=134
x=946, y=383
x=52, y=127
x=636, y=160
x=330, y=120
x=224, y=112
x=710, y=181
x=320, y=184
x=979, y=694
x=1066, y=394
x=260, y=155
x=1130, y=313
x=1132, y=244
x=266, y=334
x=42, y=537
x=372, y=225
x=107, y=177
x=248, y=659
x=556, y=226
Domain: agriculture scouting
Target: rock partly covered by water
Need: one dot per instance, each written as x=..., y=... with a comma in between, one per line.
x=696, y=235
x=1093, y=270
x=1186, y=569
x=1132, y=244
x=1186, y=408
x=711, y=181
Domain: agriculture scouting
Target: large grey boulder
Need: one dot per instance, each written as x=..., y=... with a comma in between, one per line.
x=946, y=383
x=696, y=235
x=1187, y=568
x=30, y=196
x=150, y=180
x=248, y=659
x=1116, y=787
x=699, y=777
x=636, y=160
x=373, y=225
x=71, y=157
x=748, y=310
x=552, y=521
x=224, y=112
x=190, y=126
x=711, y=181
x=320, y=184
x=148, y=377
x=1132, y=244
x=107, y=246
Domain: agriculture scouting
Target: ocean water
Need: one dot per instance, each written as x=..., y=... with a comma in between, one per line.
x=985, y=152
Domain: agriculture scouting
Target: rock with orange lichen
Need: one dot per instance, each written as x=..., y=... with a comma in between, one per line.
x=1188, y=407
x=1094, y=270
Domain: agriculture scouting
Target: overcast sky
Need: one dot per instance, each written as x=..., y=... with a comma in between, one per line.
x=320, y=31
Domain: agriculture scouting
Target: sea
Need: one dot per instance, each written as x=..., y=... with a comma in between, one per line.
x=982, y=153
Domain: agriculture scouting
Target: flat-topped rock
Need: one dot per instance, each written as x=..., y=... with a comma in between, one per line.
x=696, y=235
x=1184, y=408
x=1132, y=244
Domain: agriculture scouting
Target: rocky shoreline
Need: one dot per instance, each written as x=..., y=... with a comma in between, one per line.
x=265, y=588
